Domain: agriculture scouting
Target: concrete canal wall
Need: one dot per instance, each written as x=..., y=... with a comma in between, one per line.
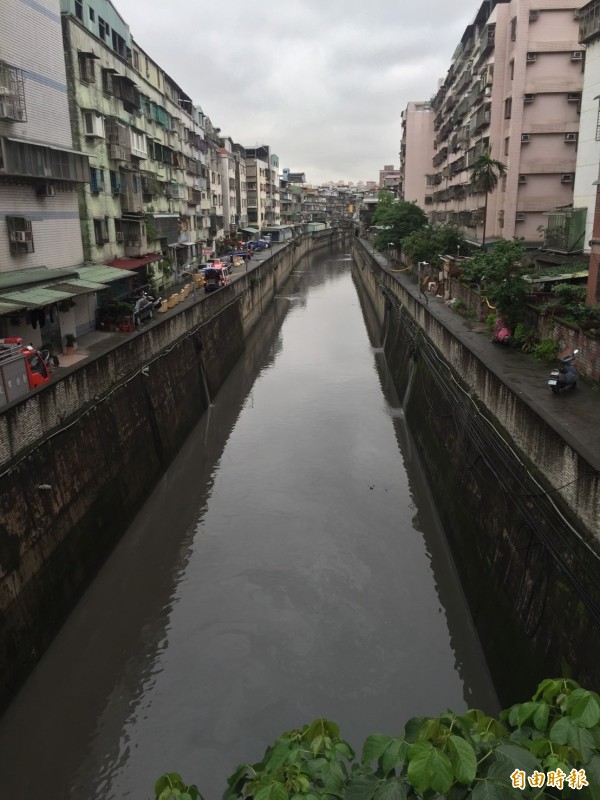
x=80, y=456
x=528, y=566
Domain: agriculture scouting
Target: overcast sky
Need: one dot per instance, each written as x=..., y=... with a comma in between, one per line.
x=323, y=82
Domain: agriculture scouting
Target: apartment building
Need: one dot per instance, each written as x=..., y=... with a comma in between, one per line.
x=40, y=172
x=391, y=178
x=514, y=87
x=147, y=150
x=262, y=172
x=417, y=139
x=587, y=174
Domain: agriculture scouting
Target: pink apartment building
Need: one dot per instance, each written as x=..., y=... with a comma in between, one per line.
x=514, y=86
x=417, y=144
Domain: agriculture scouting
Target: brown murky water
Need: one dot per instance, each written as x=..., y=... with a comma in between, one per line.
x=288, y=566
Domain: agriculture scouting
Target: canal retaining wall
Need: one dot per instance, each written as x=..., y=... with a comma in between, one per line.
x=79, y=457
x=497, y=471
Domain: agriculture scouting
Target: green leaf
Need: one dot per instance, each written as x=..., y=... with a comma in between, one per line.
x=560, y=730
x=463, y=759
x=488, y=790
x=525, y=710
x=361, y=787
x=273, y=791
x=392, y=789
x=344, y=749
x=279, y=755
x=517, y=757
x=374, y=747
x=548, y=690
x=333, y=775
x=540, y=747
x=429, y=768
x=394, y=755
x=540, y=716
x=411, y=729
x=583, y=708
x=582, y=740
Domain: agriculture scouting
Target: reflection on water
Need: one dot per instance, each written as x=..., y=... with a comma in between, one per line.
x=289, y=565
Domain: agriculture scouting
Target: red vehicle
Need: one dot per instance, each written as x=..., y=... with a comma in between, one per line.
x=22, y=368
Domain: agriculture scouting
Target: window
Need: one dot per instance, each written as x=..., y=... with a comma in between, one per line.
x=107, y=81
x=79, y=9
x=12, y=93
x=93, y=124
x=118, y=44
x=87, y=71
x=20, y=235
x=506, y=145
x=508, y=108
x=512, y=70
x=513, y=29
x=101, y=231
x=92, y=14
x=102, y=28
x=96, y=180
x=116, y=183
x=504, y=183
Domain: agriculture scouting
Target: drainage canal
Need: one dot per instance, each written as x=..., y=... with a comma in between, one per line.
x=288, y=566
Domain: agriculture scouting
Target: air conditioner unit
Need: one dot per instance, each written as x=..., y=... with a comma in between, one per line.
x=574, y=97
x=522, y=178
x=46, y=190
x=20, y=236
x=531, y=56
x=570, y=137
x=577, y=55
x=528, y=98
x=534, y=14
x=119, y=235
x=520, y=217
x=566, y=177
x=525, y=137
x=487, y=91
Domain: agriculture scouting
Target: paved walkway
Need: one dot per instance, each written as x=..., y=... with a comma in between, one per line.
x=575, y=415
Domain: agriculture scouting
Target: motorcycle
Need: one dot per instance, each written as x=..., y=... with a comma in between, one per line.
x=564, y=377
x=502, y=334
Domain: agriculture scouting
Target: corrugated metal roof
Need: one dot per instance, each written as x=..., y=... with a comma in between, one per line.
x=100, y=273
x=35, y=297
x=16, y=278
x=7, y=307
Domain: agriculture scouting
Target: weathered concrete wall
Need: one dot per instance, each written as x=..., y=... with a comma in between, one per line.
x=528, y=566
x=99, y=439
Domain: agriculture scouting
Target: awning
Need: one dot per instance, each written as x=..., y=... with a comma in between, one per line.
x=58, y=147
x=134, y=263
x=100, y=273
x=163, y=216
x=35, y=297
x=249, y=230
x=16, y=278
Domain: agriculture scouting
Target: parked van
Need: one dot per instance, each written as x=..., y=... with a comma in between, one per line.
x=215, y=278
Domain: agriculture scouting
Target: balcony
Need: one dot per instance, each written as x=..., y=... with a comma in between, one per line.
x=440, y=157
x=117, y=139
x=30, y=160
x=589, y=22
x=194, y=197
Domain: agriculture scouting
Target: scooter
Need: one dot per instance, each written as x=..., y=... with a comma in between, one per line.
x=564, y=377
x=502, y=334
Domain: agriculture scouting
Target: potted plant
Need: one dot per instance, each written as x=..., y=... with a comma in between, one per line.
x=70, y=340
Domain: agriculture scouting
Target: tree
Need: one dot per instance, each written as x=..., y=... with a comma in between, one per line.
x=428, y=243
x=546, y=748
x=485, y=174
x=399, y=219
x=500, y=274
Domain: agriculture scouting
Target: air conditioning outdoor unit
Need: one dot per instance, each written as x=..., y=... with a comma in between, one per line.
x=531, y=56
x=525, y=137
x=20, y=236
x=520, y=217
x=566, y=177
x=574, y=97
x=570, y=137
x=577, y=55
x=522, y=178
x=528, y=98
x=534, y=14
x=46, y=190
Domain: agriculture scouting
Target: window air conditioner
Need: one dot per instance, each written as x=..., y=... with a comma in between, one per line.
x=566, y=177
x=20, y=236
x=520, y=217
x=577, y=55
x=46, y=190
x=522, y=178
x=534, y=14
x=531, y=56
x=525, y=137
x=528, y=98
x=570, y=137
x=574, y=97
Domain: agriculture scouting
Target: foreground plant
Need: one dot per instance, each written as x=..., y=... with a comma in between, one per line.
x=547, y=748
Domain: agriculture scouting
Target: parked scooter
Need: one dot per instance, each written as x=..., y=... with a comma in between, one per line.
x=501, y=334
x=564, y=377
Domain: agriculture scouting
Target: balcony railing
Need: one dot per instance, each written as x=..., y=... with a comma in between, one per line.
x=27, y=159
x=589, y=22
